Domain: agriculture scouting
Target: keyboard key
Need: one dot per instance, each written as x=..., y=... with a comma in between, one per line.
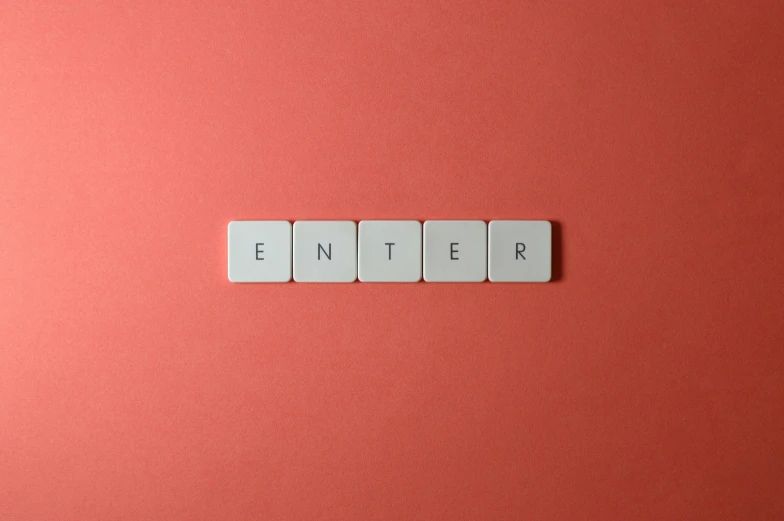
x=325, y=251
x=455, y=251
x=259, y=251
x=520, y=251
x=390, y=251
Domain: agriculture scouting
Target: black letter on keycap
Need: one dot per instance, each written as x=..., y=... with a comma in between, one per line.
x=259, y=251
x=519, y=251
x=327, y=255
x=452, y=250
x=390, y=244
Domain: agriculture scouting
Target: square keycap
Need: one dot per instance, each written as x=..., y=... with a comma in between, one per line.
x=325, y=251
x=259, y=251
x=455, y=251
x=390, y=251
x=520, y=251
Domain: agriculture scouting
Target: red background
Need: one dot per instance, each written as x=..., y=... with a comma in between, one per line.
x=645, y=383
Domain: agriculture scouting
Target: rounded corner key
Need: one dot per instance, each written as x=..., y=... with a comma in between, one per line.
x=520, y=251
x=455, y=251
x=325, y=251
x=259, y=251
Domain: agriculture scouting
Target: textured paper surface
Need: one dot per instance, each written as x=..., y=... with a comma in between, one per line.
x=136, y=382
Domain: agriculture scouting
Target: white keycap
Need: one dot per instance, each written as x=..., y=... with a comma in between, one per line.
x=390, y=251
x=455, y=251
x=520, y=251
x=259, y=251
x=325, y=251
